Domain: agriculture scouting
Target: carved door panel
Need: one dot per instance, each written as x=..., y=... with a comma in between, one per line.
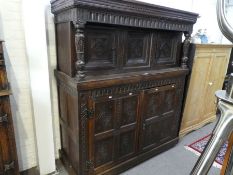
x=101, y=48
x=137, y=49
x=166, y=48
x=159, y=116
x=7, y=148
x=113, y=130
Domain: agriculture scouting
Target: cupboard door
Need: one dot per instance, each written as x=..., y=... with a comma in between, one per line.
x=137, y=49
x=219, y=63
x=166, y=48
x=8, y=165
x=159, y=116
x=113, y=129
x=194, y=104
x=100, y=48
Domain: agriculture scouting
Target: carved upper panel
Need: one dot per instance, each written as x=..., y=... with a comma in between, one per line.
x=123, y=12
x=100, y=48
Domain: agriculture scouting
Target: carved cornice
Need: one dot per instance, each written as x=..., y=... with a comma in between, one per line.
x=123, y=12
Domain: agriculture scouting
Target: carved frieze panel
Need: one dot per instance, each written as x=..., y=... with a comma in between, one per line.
x=123, y=13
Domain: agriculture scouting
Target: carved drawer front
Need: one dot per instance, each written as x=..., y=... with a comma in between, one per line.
x=159, y=120
x=7, y=148
x=166, y=48
x=100, y=48
x=113, y=129
x=137, y=49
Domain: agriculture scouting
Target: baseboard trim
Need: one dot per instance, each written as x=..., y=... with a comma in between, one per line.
x=34, y=171
x=188, y=130
x=31, y=171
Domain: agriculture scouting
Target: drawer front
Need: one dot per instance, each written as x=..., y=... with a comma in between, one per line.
x=8, y=165
x=159, y=116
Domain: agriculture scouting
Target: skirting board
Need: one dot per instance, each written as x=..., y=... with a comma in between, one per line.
x=197, y=126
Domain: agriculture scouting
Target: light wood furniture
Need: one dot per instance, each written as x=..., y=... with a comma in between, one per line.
x=208, y=73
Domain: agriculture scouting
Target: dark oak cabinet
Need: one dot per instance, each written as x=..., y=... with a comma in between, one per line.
x=8, y=155
x=121, y=73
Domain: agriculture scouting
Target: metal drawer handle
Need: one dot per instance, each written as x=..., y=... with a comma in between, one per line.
x=9, y=166
x=4, y=118
x=211, y=83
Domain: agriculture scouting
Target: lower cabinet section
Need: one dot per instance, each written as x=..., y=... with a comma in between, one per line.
x=8, y=160
x=108, y=130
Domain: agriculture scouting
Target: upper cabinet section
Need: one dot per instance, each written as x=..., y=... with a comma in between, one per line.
x=96, y=37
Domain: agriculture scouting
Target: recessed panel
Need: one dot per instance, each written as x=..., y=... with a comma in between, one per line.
x=127, y=143
x=166, y=48
x=137, y=49
x=104, y=119
x=103, y=152
x=153, y=105
x=100, y=48
x=129, y=110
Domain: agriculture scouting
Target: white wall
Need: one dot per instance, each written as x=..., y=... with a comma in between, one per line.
x=12, y=31
x=207, y=12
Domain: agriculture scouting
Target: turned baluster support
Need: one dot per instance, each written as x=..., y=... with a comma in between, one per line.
x=186, y=46
x=79, y=46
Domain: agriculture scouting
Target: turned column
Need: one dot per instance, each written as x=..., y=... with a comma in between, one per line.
x=186, y=46
x=79, y=46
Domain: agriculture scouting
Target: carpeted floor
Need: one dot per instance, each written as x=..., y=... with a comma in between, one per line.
x=176, y=161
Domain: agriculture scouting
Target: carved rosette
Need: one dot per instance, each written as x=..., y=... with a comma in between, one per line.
x=79, y=46
x=186, y=45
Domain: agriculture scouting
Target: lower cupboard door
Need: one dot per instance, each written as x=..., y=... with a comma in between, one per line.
x=113, y=135
x=159, y=116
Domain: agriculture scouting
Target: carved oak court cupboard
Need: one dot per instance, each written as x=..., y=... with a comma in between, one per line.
x=121, y=73
x=8, y=154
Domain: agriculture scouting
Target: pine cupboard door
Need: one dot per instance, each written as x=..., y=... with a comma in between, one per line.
x=113, y=130
x=159, y=116
x=219, y=62
x=194, y=104
x=8, y=162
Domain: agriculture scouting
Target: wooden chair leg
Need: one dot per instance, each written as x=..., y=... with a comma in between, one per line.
x=227, y=156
